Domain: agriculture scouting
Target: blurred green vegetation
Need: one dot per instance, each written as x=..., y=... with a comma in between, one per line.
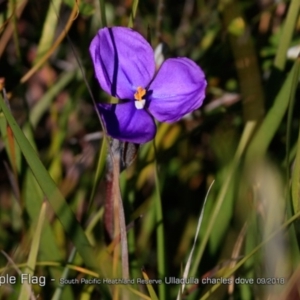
x=243, y=144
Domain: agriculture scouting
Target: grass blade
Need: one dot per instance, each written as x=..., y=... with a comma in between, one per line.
x=14, y=156
x=243, y=142
x=54, y=196
x=34, y=249
x=189, y=261
x=268, y=128
x=296, y=179
x=103, y=14
x=49, y=28
x=160, y=236
x=133, y=13
x=45, y=57
x=99, y=170
x=287, y=34
x=150, y=288
x=245, y=258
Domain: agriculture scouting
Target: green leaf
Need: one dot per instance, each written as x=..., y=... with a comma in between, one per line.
x=49, y=29
x=296, y=179
x=150, y=288
x=31, y=262
x=49, y=249
x=100, y=169
x=160, y=236
x=135, y=5
x=268, y=128
x=223, y=220
x=4, y=137
x=248, y=130
x=54, y=196
x=287, y=33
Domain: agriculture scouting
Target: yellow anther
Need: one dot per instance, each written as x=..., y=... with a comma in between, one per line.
x=140, y=93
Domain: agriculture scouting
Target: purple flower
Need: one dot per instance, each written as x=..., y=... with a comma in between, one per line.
x=125, y=68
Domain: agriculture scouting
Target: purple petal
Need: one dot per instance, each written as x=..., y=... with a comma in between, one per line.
x=178, y=88
x=123, y=60
x=126, y=123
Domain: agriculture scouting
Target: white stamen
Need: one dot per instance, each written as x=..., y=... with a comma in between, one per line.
x=139, y=104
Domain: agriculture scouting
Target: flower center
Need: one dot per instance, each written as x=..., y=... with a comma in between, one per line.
x=140, y=93
x=138, y=96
